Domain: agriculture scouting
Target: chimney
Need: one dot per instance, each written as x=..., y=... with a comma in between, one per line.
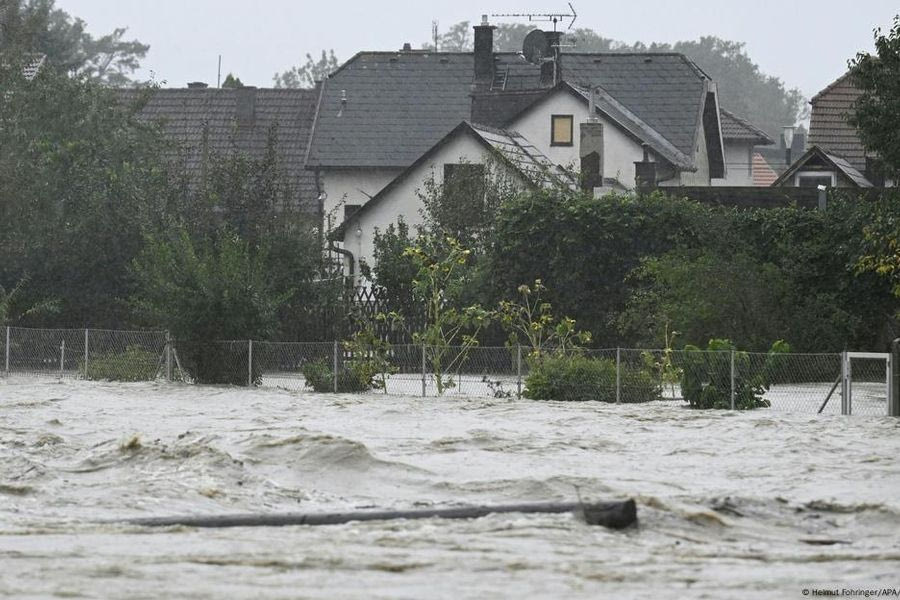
x=645, y=173
x=551, y=70
x=484, y=54
x=197, y=85
x=407, y=47
x=245, y=105
x=590, y=149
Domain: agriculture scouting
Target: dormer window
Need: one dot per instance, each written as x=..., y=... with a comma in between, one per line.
x=561, y=127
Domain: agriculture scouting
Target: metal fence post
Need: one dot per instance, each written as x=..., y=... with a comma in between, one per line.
x=618, y=374
x=62, y=357
x=845, y=384
x=86, y=334
x=168, y=357
x=894, y=380
x=732, y=379
x=335, y=366
x=423, y=370
x=7, y=351
x=519, y=370
x=249, y=363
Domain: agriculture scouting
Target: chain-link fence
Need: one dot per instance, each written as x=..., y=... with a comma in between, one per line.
x=846, y=383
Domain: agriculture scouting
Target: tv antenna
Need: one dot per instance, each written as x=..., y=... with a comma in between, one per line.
x=546, y=17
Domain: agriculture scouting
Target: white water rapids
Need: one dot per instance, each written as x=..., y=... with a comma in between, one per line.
x=761, y=504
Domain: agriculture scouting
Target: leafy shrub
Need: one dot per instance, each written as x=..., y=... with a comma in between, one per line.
x=706, y=377
x=580, y=378
x=320, y=377
x=217, y=362
x=134, y=364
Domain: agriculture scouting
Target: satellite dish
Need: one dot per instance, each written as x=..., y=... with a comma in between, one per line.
x=536, y=47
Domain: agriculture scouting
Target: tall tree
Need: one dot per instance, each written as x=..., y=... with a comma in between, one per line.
x=306, y=75
x=79, y=175
x=37, y=26
x=876, y=114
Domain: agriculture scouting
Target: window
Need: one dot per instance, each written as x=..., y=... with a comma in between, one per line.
x=812, y=180
x=561, y=130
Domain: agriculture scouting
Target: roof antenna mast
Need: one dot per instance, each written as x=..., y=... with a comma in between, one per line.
x=546, y=17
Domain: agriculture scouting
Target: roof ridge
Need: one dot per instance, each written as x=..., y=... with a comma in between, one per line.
x=746, y=123
x=830, y=87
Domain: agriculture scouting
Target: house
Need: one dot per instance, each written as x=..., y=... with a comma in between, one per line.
x=837, y=157
x=742, y=141
x=469, y=148
x=208, y=123
x=820, y=168
x=617, y=118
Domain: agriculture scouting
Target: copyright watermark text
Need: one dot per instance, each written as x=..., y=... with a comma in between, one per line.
x=853, y=592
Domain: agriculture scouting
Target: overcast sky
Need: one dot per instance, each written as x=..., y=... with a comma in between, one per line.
x=804, y=42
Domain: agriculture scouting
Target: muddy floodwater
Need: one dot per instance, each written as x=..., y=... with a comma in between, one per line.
x=754, y=505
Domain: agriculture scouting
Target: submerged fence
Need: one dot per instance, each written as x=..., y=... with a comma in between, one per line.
x=829, y=383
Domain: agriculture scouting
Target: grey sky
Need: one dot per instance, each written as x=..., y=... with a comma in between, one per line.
x=804, y=42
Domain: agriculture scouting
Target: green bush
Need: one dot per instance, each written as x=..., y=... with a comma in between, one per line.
x=135, y=364
x=320, y=377
x=217, y=363
x=580, y=378
x=706, y=377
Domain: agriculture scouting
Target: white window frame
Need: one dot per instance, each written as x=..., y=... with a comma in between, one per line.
x=800, y=174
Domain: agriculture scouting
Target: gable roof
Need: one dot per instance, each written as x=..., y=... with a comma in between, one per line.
x=840, y=164
x=828, y=126
x=399, y=104
x=763, y=174
x=509, y=146
x=736, y=128
x=193, y=116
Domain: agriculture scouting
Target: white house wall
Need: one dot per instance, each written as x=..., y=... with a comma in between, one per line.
x=738, y=164
x=351, y=186
x=700, y=177
x=403, y=199
x=620, y=151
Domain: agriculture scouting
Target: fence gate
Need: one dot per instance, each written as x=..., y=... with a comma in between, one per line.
x=867, y=385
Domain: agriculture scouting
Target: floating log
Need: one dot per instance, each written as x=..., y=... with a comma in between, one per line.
x=615, y=515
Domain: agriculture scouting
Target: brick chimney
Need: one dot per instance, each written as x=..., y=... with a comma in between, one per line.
x=197, y=85
x=484, y=55
x=245, y=105
x=645, y=177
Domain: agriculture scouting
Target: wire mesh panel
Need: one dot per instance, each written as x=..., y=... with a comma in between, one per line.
x=868, y=386
x=403, y=373
x=225, y=362
x=123, y=355
x=647, y=375
x=807, y=383
x=286, y=365
x=45, y=352
x=479, y=371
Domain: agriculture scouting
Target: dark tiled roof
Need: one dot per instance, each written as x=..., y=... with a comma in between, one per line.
x=517, y=151
x=187, y=115
x=666, y=91
x=736, y=128
x=614, y=110
x=828, y=125
x=399, y=104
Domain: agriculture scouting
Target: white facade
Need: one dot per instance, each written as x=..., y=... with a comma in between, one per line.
x=620, y=151
x=402, y=199
x=738, y=164
x=351, y=187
